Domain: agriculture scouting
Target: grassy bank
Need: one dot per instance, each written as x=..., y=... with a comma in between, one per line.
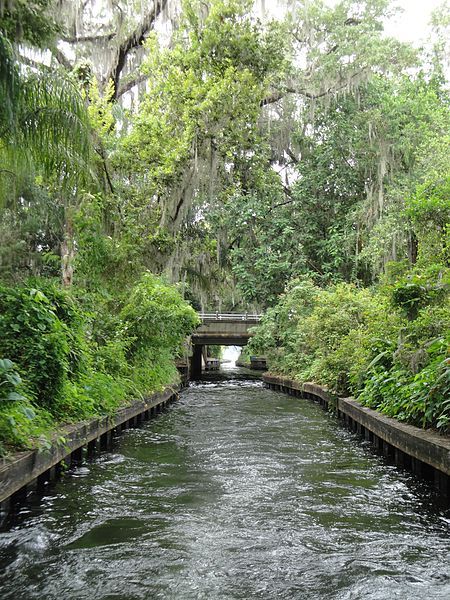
x=72, y=355
x=386, y=345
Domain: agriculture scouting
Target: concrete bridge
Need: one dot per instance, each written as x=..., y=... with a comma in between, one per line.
x=220, y=329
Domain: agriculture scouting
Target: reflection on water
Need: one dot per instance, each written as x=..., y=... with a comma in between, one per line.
x=235, y=492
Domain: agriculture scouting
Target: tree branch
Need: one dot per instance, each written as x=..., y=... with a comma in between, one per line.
x=105, y=169
x=352, y=21
x=332, y=49
x=35, y=64
x=30, y=62
x=290, y=200
x=90, y=38
x=61, y=58
x=275, y=96
x=128, y=85
x=134, y=40
x=285, y=203
x=292, y=156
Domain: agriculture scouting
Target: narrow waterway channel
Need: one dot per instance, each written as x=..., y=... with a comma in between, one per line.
x=236, y=492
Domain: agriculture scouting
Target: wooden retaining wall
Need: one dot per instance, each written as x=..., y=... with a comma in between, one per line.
x=26, y=471
x=424, y=452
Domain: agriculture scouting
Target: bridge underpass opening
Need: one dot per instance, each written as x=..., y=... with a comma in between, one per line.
x=216, y=358
x=220, y=329
x=199, y=357
x=231, y=354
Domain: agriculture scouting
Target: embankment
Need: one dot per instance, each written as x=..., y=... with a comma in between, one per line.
x=26, y=471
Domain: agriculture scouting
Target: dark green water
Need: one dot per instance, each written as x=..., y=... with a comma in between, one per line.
x=236, y=492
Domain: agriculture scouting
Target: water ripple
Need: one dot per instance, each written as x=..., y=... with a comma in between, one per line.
x=236, y=492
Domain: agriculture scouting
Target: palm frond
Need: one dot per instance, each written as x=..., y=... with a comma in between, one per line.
x=44, y=128
x=54, y=125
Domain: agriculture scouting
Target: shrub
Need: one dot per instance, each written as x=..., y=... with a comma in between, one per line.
x=20, y=421
x=94, y=394
x=22, y=425
x=111, y=358
x=421, y=399
x=156, y=316
x=153, y=369
x=415, y=292
x=77, y=365
x=10, y=383
x=276, y=336
x=33, y=336
x=389, y=345
x=339, y=312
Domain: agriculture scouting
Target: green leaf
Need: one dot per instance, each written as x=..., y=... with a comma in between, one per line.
x=15, y=397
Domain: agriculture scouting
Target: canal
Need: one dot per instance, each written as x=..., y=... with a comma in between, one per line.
x=236, y=492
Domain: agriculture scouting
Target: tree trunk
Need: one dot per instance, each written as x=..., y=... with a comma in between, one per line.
x=412, y=247
x=67, y=250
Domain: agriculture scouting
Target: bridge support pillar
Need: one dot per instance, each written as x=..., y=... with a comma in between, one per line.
x=196, y=361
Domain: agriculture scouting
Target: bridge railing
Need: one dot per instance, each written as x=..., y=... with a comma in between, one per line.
x=218, y=316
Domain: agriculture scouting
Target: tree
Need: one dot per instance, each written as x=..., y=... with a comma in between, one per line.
x=44, y=128
x=109, y=37
x=30, y=23
x=344, y=217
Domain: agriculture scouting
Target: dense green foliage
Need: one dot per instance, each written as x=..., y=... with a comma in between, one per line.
x=388, y=345
x=82, y=349
x=66, y=364
x=298, y=165
x=30, y=22
x=44, y=128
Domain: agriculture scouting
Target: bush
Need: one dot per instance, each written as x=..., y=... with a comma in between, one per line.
x=340, y=313
x=94, y=394
x=389, y=345
x=276, y=336
x=156, y=316
x=20, y=421
x=10, y=383
x=417, y=291
x=32, y=335
x=71, y=364
x=111, y=358
x=153, y=369
x=22, y=425
x=421, y=399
